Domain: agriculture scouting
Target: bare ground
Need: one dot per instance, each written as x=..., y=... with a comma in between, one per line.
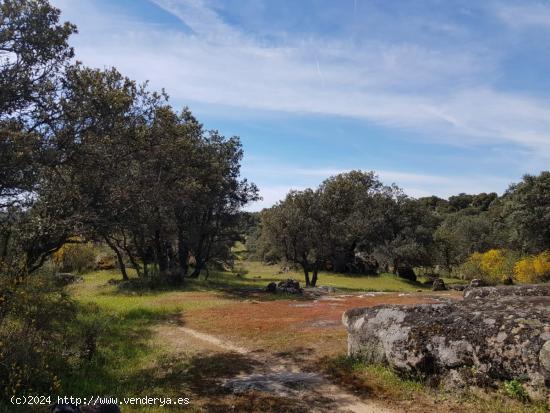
x=268, y=350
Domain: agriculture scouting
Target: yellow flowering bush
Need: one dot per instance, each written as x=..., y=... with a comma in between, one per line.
x=533, y=269
x=471, y=268
x=494, y=266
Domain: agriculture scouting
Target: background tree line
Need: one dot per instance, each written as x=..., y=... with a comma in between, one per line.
x=354, y=223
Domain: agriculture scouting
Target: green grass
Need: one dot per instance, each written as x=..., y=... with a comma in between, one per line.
x=258, y=275
x=247, y=275
x=131, y=361
x=379, y=381
x=96, y=289
x=371, y=378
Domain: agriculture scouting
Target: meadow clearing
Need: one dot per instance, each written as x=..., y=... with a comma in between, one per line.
x=188, y=342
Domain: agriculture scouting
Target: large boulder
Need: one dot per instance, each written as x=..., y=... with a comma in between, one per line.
x=535, y=290
x=493, y=335
x=271, y=288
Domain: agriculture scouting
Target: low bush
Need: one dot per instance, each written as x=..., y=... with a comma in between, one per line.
x=75, y=257
x=494, y=266
x=515, y=390
x=40, y=336
x=533, y=269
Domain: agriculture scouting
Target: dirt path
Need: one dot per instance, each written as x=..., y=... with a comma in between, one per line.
x=271, y=375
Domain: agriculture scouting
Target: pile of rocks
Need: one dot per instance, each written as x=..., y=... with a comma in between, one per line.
x=494, y=334
x=289, y=286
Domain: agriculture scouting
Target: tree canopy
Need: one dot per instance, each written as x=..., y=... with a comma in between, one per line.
x=354, y=223
x=90, y=154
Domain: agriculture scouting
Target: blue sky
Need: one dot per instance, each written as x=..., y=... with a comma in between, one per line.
x=438, y=96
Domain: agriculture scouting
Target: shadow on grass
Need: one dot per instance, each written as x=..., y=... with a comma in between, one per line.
x=227, y=286
x=201, y=377
x=124, y=343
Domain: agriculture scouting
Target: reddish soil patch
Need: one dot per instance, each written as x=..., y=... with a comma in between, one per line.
x=308, y=327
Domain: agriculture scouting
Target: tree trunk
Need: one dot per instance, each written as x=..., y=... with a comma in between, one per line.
x=119, y=257
x=162, y=259
x=306, y=275
x=133, y=261
x=197, y=271
x=314, y=277
x=183, y=256
x=395, y=266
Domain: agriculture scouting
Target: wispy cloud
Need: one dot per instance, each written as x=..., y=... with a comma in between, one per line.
x=433, y=90
x=442, y=93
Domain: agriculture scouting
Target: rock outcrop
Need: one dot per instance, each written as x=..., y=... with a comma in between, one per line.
x=508, y=292
x=494, y=334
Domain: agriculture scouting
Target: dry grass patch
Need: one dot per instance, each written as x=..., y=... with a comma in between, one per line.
x=288, y=325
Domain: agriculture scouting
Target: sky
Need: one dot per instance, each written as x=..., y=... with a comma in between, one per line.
x=437, y=96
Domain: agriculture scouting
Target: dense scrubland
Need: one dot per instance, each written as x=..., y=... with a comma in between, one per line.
x=100, y=176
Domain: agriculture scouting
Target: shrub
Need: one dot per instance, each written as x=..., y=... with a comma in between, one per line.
x=533, y=269
x=105, y=262
x=493, y=266
x=471, y=268
x=36, y=345
x=498, y=265
x=79, y=257
x=44, y=337
x=515, y=390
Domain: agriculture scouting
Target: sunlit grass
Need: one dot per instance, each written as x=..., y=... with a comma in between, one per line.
x=96, y=289
x=258, y=274
x=132, y=359
x=380, y=381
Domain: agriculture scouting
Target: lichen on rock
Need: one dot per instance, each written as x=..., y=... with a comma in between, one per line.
x=495, y=334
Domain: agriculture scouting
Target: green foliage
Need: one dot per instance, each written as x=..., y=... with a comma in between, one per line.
x=350, y=217
x=354, y=215
x=515, y=389
x=34, y=52
x=79, y=257
x=39, y=337
x=527, y=212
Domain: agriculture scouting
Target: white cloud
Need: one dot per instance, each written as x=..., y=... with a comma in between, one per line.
x=439, y=92
x=424, y=89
